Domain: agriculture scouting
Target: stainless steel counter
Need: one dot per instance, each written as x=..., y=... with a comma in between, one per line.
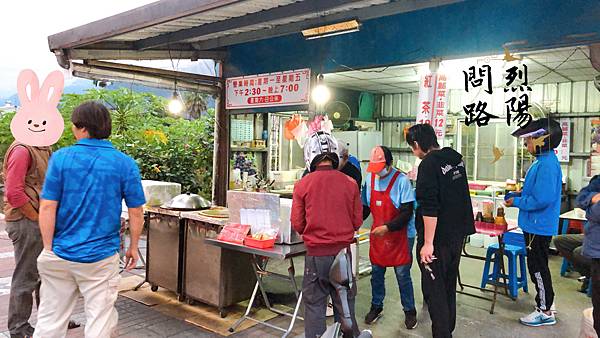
x=279, y=251
x=162, y=211
x=194, y=215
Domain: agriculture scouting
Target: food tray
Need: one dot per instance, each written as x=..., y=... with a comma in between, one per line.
x=260, y=244
x=215, y=212
x=475, y=186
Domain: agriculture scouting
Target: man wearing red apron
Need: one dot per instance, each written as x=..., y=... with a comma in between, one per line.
x=388, y=195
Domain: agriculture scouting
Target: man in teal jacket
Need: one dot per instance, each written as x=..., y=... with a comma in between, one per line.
x=539, y=210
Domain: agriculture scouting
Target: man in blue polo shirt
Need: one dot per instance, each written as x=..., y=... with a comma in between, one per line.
x=80, y=222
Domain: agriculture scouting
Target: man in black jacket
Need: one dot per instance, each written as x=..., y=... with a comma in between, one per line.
x=444, y=217
x=346, y=166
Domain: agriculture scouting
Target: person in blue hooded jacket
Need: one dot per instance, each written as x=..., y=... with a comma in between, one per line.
x=539, y=211
x=587, y=200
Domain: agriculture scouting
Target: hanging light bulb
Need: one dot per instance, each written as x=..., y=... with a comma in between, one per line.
x=175, y=104
x=321, y=93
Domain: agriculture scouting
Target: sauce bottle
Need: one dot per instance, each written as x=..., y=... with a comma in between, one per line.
x=500, y=220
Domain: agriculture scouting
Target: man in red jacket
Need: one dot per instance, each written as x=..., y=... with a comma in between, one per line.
x=326, y=211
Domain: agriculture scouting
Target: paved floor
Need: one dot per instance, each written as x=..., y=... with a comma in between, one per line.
x=474, y=320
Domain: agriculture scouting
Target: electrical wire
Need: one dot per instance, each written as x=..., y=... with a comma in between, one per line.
x=555, y=68
x=360, y=70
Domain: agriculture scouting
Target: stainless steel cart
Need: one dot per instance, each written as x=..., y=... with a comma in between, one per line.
x=164, y=259
x=212, y=275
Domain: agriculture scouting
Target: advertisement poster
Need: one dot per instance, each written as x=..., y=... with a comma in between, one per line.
x=594, y=163
x=562, y=151
x=433, y=102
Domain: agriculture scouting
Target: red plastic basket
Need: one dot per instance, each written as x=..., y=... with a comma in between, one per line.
x=258, y=243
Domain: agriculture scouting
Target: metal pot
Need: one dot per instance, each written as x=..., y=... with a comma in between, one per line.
x=187, y=202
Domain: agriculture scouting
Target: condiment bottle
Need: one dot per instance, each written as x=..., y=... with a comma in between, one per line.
x=479, y=217
x=500, y=220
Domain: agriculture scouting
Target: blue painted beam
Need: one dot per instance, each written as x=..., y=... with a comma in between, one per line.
x=469, y=28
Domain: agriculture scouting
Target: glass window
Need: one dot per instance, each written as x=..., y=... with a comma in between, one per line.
x=467, y=148
x=491, y=142
x=496, y=153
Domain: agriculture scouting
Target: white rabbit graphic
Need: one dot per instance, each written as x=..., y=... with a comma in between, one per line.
x=38, y=122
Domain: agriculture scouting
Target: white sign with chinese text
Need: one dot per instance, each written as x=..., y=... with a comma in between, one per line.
x=562, y=151
x=268, y=90
x=433, y=102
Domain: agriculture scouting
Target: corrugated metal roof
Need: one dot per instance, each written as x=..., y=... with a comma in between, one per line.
x=188, y=26
x=219, y=14
x=197, y=29
x=233, y=11
x=545, y=66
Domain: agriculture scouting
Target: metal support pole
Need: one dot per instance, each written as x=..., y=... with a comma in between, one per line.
x=221, y=147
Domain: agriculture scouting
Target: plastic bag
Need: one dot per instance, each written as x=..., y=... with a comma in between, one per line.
x=264, y=232
x=290, y=125
x=234, y=233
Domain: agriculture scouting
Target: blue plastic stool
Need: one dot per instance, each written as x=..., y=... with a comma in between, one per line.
x=514, y=249
x=565, y=267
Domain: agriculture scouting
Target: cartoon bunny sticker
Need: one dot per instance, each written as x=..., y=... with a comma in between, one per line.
x=38, y=122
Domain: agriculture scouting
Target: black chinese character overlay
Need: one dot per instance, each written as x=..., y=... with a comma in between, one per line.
x=476, y=78
x=514, y=73
x=477, y=113
x=520, y=106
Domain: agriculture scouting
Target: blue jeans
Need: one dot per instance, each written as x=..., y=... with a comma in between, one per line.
x=407, y=294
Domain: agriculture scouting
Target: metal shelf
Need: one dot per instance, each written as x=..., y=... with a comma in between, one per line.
x=579, y=155
x=401, y=150
x=249, y=150
x=576, y=115
x=398, y=119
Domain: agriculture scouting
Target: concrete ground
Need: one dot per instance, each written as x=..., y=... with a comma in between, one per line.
x=473, y=317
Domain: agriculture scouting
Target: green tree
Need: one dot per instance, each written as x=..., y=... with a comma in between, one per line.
x=165, y=148
x=195, y=104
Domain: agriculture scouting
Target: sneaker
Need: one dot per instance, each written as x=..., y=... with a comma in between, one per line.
x=365, y=334
x=373, y=315
x=584, y=285
x=538, y=318
x=553, y=307
x=410, y=319
x=329, y=311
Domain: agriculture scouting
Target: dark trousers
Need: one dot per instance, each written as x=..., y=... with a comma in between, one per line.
x=538, y=248
x=596, y=293
x=570, y=247
x=315, y=290
x=27, y=242
x=439, y=286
